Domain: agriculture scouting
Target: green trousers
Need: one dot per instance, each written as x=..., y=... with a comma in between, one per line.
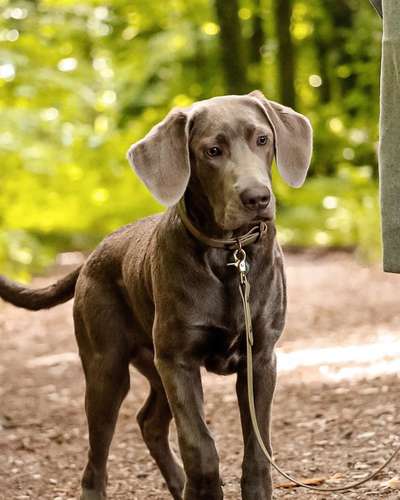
x=389, y=144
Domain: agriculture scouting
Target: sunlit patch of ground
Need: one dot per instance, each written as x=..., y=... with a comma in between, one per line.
x=340, y=363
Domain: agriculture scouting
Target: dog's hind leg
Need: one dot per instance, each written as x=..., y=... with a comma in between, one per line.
x=107, y=383
x=154, y=419
x=100, y=332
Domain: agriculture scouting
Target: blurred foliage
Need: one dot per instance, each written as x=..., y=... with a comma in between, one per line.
x=80, y=81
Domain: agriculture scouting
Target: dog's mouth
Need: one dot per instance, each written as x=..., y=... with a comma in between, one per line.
x=248, y=222
x=235, y=217
x=263, y=216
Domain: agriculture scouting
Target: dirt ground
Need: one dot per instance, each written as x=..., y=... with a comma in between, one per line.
x=336, y=411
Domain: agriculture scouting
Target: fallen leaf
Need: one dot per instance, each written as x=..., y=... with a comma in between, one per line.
x=336, y=477
x=366, y=435
x=393, y=483
x=311, y=481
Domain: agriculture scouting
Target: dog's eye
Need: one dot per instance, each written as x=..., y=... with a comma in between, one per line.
x=262, y=140
x=214, y=151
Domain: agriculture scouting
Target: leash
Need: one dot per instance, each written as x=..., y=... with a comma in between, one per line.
x=242, y=266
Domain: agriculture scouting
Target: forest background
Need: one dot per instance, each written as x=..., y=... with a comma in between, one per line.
x=82, y=80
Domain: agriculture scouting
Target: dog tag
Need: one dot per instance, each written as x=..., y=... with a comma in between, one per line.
x=244, y=266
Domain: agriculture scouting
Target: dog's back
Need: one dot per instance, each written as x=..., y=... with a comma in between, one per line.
x=127, y=246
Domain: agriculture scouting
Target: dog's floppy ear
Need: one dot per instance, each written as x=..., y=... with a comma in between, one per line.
x=293, y=139
x=161, y=158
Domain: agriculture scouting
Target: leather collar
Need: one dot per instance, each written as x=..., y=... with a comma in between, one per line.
x=252, y=236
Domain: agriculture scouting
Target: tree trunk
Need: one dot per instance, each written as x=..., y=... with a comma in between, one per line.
x=256, y=42
x=343, y=15
x=323, y=54
x=286, y=58
x=232, y=59
x=258, y=37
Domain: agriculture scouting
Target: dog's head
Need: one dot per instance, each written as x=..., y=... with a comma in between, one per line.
x=228, y=144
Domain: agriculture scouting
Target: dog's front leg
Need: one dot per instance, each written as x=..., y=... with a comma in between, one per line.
x=182, y=383
x=256, y=472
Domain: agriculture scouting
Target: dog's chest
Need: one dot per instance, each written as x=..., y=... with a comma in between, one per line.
x=223, y=351
x=219, y=310
x=222, y=341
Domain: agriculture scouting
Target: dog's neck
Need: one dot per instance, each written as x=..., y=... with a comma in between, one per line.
x=202, y=225
x=201, y=214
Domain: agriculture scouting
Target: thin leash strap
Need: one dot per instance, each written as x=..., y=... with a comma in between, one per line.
x=244, y=288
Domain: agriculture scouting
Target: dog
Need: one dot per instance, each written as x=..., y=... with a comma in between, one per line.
x=155, y=294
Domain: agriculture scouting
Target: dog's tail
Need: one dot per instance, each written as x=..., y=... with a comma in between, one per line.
x=42, y=298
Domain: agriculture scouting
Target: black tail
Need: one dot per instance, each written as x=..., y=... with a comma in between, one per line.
x=42, y=298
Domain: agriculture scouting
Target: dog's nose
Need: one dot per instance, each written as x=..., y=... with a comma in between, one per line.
x=256, y=198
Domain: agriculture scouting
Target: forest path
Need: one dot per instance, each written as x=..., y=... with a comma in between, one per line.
x=336, y=408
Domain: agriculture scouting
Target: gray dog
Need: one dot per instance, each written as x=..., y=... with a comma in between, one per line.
x=159, y=293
